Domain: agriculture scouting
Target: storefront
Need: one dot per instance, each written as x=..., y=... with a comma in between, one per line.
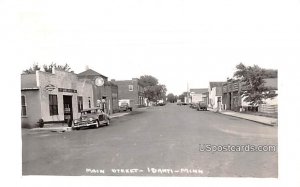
x=53, y=97
x=105, y=92
x=231, y=99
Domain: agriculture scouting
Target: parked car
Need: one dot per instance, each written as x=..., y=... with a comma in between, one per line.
x=202, y=106
x=179, y=103
x=161, y=103
x=125, y=104
x=194, y=105
x=91, y=117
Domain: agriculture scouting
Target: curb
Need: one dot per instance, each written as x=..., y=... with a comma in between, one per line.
x=123, y=114
x=263, y=123
x=53, y=129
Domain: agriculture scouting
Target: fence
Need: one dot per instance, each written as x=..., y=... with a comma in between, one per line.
x=270, y=109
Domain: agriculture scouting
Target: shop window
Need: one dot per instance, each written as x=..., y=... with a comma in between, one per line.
x=130, y=87
x=53, y=105
x=24, y=107
x=80, y=103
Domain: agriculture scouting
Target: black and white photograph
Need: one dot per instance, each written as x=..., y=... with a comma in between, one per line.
x=153, y=90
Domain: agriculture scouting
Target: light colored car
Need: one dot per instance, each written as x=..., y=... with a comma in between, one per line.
x=91, y=117
x=202, y=106
x=125, y=104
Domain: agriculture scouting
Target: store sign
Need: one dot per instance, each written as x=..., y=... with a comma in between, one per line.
x=49, y=87
x=67, y=90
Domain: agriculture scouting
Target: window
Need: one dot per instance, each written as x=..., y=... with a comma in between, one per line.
x=24, y=107
x=80, y=103
x=130, y=87
x=53, y=106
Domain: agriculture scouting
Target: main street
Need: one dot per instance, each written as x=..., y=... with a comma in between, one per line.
x=156, y=141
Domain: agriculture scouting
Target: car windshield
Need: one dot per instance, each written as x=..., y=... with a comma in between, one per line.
x=122, y=104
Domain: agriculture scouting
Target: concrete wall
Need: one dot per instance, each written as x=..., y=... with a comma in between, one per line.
x=214, y=98
x=61, y=79
x=195, y=98
x=33, y=108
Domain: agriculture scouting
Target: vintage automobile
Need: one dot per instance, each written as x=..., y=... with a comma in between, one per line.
x=125, y=104
x=91, y=117
x=202, y=106
x=194, y=105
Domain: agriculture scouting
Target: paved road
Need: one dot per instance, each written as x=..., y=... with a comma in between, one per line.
x=157, y=141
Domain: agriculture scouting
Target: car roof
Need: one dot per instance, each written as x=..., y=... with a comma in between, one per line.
x=88, y=109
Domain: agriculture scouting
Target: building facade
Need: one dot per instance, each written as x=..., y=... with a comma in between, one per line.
x=53, y=97
x=198, y=94
x=105, y=95
x=131, y=89
x=215, y=95
x=232, y=99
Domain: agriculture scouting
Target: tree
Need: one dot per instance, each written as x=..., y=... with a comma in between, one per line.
x=252, y=78
x=172, y=98
x=148, y=80
x=35, y=67
x=182, y=96
x=153, y=90
x=49, y=68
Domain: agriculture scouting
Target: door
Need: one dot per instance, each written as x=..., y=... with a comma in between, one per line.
x=68, y=110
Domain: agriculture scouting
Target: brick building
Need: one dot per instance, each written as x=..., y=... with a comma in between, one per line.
x=53, y=97
x=131, y=89
x=107, y=93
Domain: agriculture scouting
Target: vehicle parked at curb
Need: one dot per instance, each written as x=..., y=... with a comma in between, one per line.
x=202, y=106
x=91, y=117
x=161, y=102
x=126, y=104
x=179, y=103
x=193, y=105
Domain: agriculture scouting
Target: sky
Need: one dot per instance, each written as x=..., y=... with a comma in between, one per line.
x=179, y=42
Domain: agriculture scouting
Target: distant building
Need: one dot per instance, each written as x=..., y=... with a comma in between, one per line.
x=106, y=95
x=215, y=95
x=198, y=94
x=53, y=97
x=131, y=89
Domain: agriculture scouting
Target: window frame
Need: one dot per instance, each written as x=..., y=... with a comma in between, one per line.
x=53, y=111
x=80, y=105
x=25, y=105
x=130, y=86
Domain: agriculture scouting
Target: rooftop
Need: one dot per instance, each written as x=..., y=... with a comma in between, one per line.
x=90, y=72
x=199, y=90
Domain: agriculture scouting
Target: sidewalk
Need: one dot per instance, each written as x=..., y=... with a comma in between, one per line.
x=62, y=127
x=259, y=119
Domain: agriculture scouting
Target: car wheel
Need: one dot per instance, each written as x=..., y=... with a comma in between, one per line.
x=97, y=125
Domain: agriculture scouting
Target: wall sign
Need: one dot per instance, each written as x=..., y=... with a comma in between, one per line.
x=67, y=90
x=49, y=87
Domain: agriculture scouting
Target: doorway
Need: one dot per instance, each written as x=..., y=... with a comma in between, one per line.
x=68, y=109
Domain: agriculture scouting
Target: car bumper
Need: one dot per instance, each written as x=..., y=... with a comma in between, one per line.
x=84, y=125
